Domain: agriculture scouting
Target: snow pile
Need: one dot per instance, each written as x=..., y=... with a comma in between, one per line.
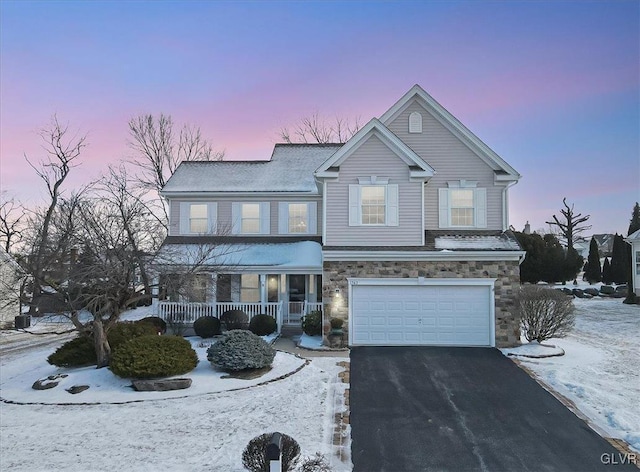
x=600, y=371
x=535, y=350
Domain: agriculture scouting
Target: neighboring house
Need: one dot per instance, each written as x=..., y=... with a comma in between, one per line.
x=634, y=240
x=605, y=244
x=11, y=277
x=402, y=231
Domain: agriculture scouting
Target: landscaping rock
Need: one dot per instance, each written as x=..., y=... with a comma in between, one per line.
x=49, y=382
x=77, y=389
x=160, y=385
x=578, y=293
x=592, y=291
x=607, y=290
x=568, y=291
x=41, y=385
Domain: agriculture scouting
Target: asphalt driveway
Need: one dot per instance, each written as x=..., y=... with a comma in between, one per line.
x=435, y=408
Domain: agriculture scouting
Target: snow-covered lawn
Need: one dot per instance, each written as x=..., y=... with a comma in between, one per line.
x=600, y=371
x=205, y=427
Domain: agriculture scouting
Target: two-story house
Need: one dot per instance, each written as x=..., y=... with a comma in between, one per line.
x=402, y=231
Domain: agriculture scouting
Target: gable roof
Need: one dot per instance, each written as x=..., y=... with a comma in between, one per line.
x=633, y=237
x=290, y=169
x=376, y=128
x=504, y=170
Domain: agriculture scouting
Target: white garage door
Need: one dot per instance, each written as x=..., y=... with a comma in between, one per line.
x=437, y=315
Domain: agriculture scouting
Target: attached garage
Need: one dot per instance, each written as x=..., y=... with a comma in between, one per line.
x=422, y=311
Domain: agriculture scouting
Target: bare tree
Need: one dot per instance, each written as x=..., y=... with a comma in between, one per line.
x=62, y=152
x=571, y=224
x=159, y=150
x=11, y=218
x=316, y=129
x=544, y=313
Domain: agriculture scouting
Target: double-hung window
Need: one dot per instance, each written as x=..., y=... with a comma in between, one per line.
x=198, y=218
x=462, y=205
x=297, y=217
x=250, y=217
x=373, y=202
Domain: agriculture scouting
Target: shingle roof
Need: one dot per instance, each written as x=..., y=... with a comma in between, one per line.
x=290, y=169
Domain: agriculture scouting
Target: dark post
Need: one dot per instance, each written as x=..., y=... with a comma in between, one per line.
x=274, y=453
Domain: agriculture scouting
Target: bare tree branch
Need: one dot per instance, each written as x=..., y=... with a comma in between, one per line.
x=316, y=129
x=11, y=218
x=571, y=225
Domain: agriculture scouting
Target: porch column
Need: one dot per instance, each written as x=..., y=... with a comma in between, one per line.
x=212, y=287
x=155, y=293
x=263, y=292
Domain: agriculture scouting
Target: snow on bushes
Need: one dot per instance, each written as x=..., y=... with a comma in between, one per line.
x=154, y=356
x=239, y=350
x=544, y=313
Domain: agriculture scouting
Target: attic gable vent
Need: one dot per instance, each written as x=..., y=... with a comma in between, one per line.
x=415, y=122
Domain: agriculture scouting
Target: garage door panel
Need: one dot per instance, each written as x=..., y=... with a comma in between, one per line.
x=421, y=314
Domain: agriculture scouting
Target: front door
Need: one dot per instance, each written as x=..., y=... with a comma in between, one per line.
x=297, y=293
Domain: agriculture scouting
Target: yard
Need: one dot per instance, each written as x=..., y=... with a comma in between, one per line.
x=202, y=431
x=600, y=371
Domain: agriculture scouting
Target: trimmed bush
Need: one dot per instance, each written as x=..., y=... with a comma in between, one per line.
x=240, y=350
x=207, y=326
x=234, y=319
x=78, y=352
x=255, y=459
x=122, y=332
x=544, y=313
x=312, y=323
x=262, y=325
x=159, y=323
x=154, y=356
x=336, y=323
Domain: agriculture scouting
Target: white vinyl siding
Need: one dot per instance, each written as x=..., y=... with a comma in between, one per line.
x=452, y=160
x=198, y=218
x=251, y=217
x=403, y=225
x=462, y=208
x=297, y=218
x=373, y=205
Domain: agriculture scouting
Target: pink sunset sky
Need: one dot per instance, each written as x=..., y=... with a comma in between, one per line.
x=552, y=87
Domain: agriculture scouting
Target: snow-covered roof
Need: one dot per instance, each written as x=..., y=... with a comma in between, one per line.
x=290, y=169
x=290, y=256
x=633, y=237
x=476, y=242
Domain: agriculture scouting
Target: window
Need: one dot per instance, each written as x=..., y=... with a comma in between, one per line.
x=462, y=207
x=198, y=220
x=298, y=218
x=638, y=262
x=250, y=218
x=373, y=203
x=249, y=288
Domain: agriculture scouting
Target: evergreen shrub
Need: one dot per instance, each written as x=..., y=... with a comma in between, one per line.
x=234, y=319
x=154, y=356
x=207, y=326
x=239, y=350
x=312, y=323
x=262, y=325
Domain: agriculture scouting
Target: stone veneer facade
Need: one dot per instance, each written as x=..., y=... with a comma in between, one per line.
x=506, y=273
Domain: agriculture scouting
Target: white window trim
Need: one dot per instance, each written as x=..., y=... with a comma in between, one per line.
x=479, y=204
x=283, y=217
x=391, y=201
x=264, y=215
x=185, y=218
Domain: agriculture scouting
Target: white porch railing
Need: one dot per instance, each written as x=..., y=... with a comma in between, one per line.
x=188, y=312
x=312, y=306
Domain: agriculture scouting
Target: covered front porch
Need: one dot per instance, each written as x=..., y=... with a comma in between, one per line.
x=285, y=297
